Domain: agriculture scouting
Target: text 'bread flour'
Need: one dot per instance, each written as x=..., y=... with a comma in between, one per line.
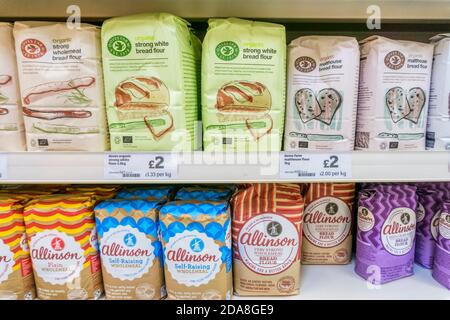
x=328, y=223
x=267, y=226
x=12, y=130
x=441, y=266
x=322, y=93
x=61, y=84
x=196, y=237
x=64, y=247
x=394, y=85
x=243, y=85
x=16, y=273
x=386, y=232
x=130, y=250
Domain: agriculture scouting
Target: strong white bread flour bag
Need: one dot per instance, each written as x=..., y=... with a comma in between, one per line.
x=438, y=124
x=12, y=131
x=61, y=84
x=393, y=94
x=322, y=93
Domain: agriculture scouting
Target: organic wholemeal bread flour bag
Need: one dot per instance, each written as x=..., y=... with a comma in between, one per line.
x=130, y=250
x=394, y=85
x=196, y=237
x=12, y=130
x=243, y=85
x=64, y=247
x=267, y=235
x=385, y=242
x=441, y=263
x=322, y=93
x=16, y=273
x=328, y=223
x=61, y=84
x=150, y=82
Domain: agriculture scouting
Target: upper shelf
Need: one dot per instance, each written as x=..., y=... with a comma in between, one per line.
x=346, y=10
x=73, y=167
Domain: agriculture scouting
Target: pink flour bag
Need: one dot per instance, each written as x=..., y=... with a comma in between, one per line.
x=386, y=231
x=441, y=264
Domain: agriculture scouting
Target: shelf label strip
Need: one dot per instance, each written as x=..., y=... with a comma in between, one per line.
x=3, y=166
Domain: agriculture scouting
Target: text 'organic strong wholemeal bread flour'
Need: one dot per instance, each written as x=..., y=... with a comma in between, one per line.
x=243, y=85
x=130, y=250
x=328, y=223
x=394, y=85
x=61, y=84
x=196, y=237
x=150, y=82
x=322, y=93
x=12, y=131
x=64, y=247
x=267, y=226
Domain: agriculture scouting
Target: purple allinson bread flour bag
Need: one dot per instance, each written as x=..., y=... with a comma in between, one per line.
x=386, y=232
x=428, y=212
x=441, y=265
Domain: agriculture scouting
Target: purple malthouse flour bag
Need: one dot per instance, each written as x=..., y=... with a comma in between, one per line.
x=428, y=212
x=441, y=266
x=386, y=232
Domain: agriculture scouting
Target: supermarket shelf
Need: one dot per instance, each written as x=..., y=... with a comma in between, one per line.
x=347, y=10
x=342, y=283
x=74, y=167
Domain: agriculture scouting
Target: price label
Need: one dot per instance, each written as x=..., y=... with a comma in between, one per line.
x=318, y=166
x=140, y=166
x=3, y=167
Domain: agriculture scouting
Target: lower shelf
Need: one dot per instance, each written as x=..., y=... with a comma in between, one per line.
x=342, y=283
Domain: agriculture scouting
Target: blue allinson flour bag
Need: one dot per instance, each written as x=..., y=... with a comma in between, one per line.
x=196, y=238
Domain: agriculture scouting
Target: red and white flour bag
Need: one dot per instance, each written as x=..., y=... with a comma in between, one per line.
x=267, y=234
x=327, y=223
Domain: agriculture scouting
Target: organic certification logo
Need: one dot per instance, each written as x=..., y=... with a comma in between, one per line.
x=227, y=50
x=119, y=46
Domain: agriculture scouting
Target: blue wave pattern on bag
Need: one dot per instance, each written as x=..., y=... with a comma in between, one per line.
x=202, y=193
x=157, y=192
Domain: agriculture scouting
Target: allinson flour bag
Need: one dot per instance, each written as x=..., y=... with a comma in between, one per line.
x=150, y=82
x=267, y=236
x=130, y=250
x=64, y=247
x=438, y=123
x=386, y=232
x=61, y=84
x=12, y=130
x=16, y=273
x=328, y=223
x=243, y=85
x=322, y=93
x=441, y=266
x=393, y=97
x=196, y=237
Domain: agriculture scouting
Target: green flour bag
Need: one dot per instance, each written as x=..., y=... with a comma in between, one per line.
x=243, y=85
x=150, y=82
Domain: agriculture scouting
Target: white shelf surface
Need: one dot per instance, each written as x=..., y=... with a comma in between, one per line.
x=74, y=167
x=342, y=283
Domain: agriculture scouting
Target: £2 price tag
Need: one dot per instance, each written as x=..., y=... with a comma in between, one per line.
x=317, y=166
x=140, y=166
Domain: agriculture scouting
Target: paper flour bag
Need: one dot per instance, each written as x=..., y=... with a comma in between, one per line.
x=130, y=250
x=64, y=247
x=267, y=236
x=438, y=124
x=150, y=82
x=385, y=242
x=441, y=266
x=196, y=237
x=322, y=93
x=243, y=85
x=393, y=97
x=328, y=223
x=12, y=131
x=61, y=86
x=16, y=273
